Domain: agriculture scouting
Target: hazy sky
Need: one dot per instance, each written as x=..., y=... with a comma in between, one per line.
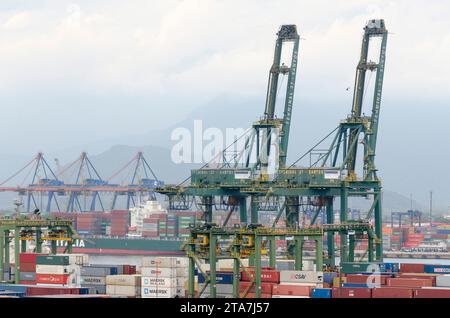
x=73, y=72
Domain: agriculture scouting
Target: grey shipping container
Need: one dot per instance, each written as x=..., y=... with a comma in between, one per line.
x=93, y=280
x=97, y=271
x=220, y=288
x=31, y=276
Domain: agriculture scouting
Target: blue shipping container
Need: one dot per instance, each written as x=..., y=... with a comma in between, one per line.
x=221, y=278
x=14, y=288
x=353, y=285
x=328, y=277
x=438, y=269
x=321, y=293
x=392, y=267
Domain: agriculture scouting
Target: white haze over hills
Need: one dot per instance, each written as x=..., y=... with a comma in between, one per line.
x=112, y=77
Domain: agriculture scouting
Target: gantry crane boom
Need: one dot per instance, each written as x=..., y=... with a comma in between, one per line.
x=287, y=33
x=374, y=28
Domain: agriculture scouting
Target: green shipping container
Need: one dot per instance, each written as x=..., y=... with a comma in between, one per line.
x=360, y=267
x=52, y=260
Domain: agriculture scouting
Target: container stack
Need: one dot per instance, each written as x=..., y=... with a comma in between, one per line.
x=163, y=277
x=94, y=277
x=119, y=222
x=124, y=285
x=28, y=268
x=171, y=229
x=224, y=284
x=183, y=226
x=57, y=270
x=269, y=280
x=150, y=225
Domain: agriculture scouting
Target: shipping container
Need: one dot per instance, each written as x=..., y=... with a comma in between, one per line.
x=52, y=279
x=52, y=260
x=121, y=290
x=93, y=280
x=179, y=262
x=28, y=267
x=301, y=277
x=97, y=270
x=268, y=276
x=366, y=279
x=29, y=257
x=293, y=290
x=159, y=272
x=392, y=292
x=412, y=268
x=431, y=293
x=95, y=289
x=221, y=278
x=443, y=281
x=158, y=292
x=253, y=295
x=160, y=281
x=220, y=288
x=321, y=293
x=123, y=280
x=408, y=282
x=27, y=276
x=348, y=292
x=265, y=287
x=55, y=269
x=437, y=269
x=361, y=267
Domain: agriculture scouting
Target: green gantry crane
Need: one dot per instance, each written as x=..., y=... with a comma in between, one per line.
x=24, y=229
x=334, y=174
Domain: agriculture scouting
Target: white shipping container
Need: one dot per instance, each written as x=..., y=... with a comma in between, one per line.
x=182, y=272
x=158, y=292
x=179, y=262
x=124, y=280
x=56, y=269
x=443, y=281
x=119, y=290
x=159, y=281
x=315, y=285
x=158, y=272
x=301, y=277
x=180, y=281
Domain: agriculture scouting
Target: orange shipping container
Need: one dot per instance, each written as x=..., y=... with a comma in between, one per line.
x=409, y=282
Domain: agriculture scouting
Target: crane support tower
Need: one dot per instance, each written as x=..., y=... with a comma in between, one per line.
x=24, y=229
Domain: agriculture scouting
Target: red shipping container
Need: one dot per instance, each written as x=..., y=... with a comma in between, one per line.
x=52, y=278
x=29, y=258
x=129, y=269
x=266, y=288
x=41, y=290
x=28, y=267
x=267, y=276
x=253, y=295
x=409, y=282
x=431, y=293
x=366, y=279
x=347, y=292
x=392, y=292
x=291, y=290
x=411, y=268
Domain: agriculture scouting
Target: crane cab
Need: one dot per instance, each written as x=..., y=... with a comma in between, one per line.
x=202, y=240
